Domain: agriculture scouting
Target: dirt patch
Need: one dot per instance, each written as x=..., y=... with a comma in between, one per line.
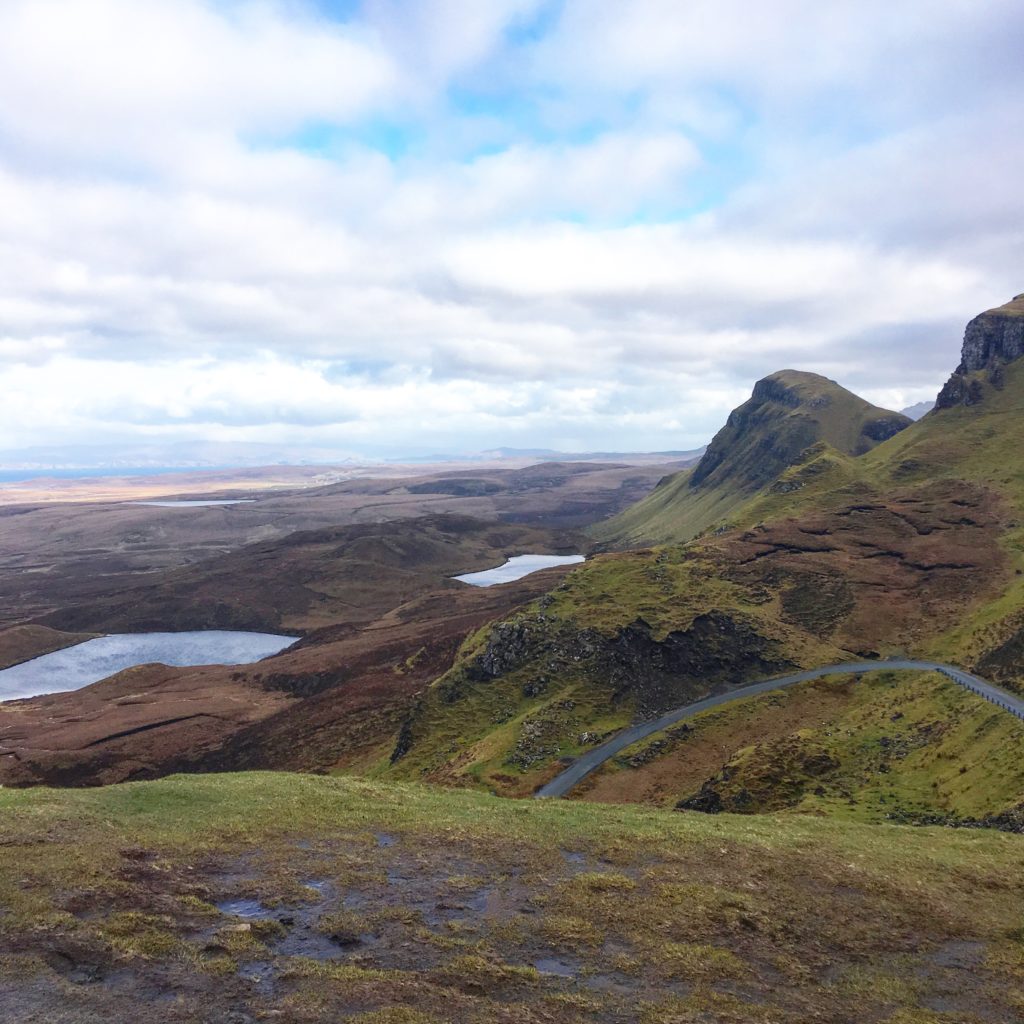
x=887, y=573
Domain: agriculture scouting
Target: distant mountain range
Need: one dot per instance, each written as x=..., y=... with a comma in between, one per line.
x=915, y=412
x=91, y=459
x=168, y=455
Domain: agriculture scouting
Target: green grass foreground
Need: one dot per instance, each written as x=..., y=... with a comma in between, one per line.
x=196, y=813
x=660, y=917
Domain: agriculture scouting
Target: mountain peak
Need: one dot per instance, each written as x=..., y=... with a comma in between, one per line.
x=794, y=388
x=991, y=340
x=788, y=411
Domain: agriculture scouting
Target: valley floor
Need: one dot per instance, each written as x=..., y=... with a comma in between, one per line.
x=277, y=897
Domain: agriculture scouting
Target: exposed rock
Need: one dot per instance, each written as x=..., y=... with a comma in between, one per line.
x=787, y=413
x=884, y=427
x=658, y=673
x=404, y=742
x=716, y=648
x=991, y=340
x=767, y=777
x=1005, y=662
x=994, y=337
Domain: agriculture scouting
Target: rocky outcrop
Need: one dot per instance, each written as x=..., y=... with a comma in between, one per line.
x=991, y=340
x=884, y=427
x=658, y=673
x=788, y=412
x=768, y=777
x=994, y=337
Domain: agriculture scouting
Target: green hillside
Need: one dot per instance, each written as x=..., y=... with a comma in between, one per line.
x=887, y=746
x=915, y=547
x=277, y=897
x=789, y=412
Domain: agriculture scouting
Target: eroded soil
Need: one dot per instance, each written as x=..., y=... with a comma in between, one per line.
x=878, y=575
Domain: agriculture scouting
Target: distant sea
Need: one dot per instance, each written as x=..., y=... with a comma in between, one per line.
x=8, y=476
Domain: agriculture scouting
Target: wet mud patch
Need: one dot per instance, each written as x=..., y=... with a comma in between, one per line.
x=462, y=929
x=559, y=967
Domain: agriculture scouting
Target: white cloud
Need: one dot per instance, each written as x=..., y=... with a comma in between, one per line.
x=523, y=266
x=126, y=80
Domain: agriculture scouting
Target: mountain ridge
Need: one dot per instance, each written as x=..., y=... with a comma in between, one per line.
x=914, y=547
x=789, y=412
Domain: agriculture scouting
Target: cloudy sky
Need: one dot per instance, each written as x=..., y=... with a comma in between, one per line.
x=414, y=225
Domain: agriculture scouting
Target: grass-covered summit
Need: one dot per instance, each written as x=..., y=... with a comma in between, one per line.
x=787, y=413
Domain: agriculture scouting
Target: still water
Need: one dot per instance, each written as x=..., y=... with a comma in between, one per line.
x=193, y=504
x=516, y=568
x=85, y=663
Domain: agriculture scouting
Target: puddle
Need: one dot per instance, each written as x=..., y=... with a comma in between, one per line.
x=384, y=839
x=261, y=975
x=461, y=906
x=482, y=901
x=556, y=966
x=305, y=940
x=244, y=908
x=306, y=931
x=573, y=858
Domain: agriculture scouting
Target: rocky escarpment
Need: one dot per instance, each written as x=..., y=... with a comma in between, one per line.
x=657, y=673
x=788, y=412
x=991, y=340
x=538, y=668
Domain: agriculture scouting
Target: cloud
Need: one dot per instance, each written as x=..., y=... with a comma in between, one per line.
x=130, y=80
x=520, y=222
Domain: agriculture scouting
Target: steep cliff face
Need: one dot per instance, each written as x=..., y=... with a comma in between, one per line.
x=788, y=413
x=991, y=340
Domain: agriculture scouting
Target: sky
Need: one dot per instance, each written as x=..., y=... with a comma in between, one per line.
x=402, y=226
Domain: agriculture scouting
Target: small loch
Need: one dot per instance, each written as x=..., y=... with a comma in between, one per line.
x=197, y=503
x=516, y=568
x=85, y=663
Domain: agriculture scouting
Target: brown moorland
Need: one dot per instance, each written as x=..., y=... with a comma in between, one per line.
x=380, y=619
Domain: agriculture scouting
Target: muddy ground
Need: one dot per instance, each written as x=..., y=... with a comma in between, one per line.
x=377, y=926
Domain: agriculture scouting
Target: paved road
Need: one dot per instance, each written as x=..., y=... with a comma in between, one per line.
x=586, y=763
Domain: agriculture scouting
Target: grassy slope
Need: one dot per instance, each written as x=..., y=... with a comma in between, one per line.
x=506, y=733
x=472, y=739
x=982, y=444
x=660, y=918
x=896, y=744
x=761, y=438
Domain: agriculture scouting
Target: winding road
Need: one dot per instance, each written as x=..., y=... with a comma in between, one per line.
x=592, y=759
